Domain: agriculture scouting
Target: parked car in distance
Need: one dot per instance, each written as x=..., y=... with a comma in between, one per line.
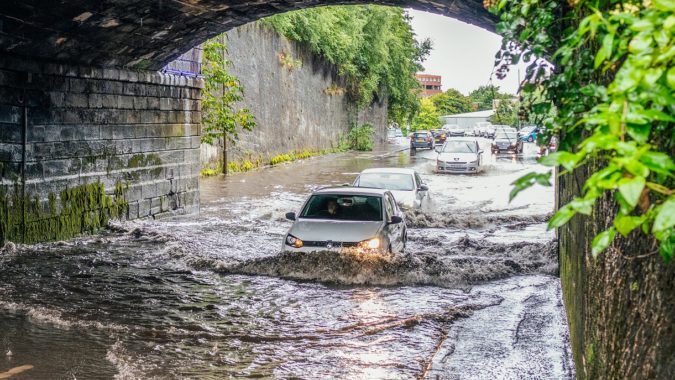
x=507, y=141
x=405, y=184
x=528, y=133
x=480, y=128
x=489, y=131
x=459, y=156
x=346, y=218
x=454, y=130
x=422, y=140
x=439, y=135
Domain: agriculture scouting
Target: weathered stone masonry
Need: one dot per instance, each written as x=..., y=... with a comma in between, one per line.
x=135, y=129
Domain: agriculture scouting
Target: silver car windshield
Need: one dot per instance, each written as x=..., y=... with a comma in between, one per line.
x=389, y=181
x=459, y=147
x=343, y=207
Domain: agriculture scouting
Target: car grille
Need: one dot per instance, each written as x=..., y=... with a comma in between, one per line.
x=334, y=244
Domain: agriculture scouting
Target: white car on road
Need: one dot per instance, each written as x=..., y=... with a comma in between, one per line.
x=459, y=156
x=347, y=218
x=405, y=184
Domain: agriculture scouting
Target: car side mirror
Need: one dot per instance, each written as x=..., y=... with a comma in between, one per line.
x=438, y=149
x=396, y=219
x=290, y=215
x=423, y=188
x=480, y=151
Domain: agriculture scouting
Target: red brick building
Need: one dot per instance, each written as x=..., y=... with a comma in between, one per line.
x=431, y=84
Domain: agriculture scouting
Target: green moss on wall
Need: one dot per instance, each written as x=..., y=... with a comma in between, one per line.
x=82, y=209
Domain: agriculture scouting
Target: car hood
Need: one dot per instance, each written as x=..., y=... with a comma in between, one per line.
x=459, y=157
x=334, y=230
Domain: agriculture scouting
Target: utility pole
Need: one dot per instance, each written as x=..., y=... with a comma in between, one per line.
x=222, y=96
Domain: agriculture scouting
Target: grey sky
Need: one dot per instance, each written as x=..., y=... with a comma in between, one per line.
x=463, y=54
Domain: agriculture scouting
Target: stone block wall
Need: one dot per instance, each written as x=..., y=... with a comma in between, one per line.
x=297, y=98
x=132, y=130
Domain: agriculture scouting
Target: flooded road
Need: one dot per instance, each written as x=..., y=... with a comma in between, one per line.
x=209, y=296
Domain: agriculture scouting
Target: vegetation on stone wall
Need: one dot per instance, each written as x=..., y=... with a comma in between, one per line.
x=374, y=47
x=82, y=209
x=612, y=89
x=360, y=137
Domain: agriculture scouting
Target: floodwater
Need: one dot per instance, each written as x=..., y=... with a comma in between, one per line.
x=209, y=296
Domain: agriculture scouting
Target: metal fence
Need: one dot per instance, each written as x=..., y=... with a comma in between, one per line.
x=188, y=64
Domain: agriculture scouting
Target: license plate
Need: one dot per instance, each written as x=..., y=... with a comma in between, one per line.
x=456, y=166
x=420, y=140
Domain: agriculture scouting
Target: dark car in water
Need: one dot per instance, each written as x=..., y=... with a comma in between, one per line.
x=439, y=135
x=507, y=141
x=422, y=140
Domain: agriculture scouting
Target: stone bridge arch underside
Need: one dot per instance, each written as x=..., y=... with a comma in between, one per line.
x=147, y=34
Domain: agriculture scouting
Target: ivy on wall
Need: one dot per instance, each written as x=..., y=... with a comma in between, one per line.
x=608, y=97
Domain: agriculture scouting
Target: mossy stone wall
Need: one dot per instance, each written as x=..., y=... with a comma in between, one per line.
x=620, y=306
x=88, y=132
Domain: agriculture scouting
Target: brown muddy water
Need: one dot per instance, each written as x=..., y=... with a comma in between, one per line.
x=210, y=296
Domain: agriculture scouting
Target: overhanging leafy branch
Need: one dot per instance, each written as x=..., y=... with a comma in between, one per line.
x=611, y=92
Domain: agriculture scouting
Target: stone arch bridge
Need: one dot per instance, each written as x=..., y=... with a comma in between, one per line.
x=84, y=111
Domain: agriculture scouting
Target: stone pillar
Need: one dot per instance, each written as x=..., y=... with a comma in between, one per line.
x=99, y=144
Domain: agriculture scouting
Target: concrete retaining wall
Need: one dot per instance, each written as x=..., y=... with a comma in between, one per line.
x=297, y=98
x=86, y=125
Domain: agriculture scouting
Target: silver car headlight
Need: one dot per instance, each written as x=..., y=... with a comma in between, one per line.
x=294, y=242
x=373, y=243
x=474, y=162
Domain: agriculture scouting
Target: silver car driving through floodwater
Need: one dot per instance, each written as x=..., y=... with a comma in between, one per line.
x=347, y=218
x=459, y=156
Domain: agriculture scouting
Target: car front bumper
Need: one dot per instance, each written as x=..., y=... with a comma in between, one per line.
x=425, y=145
x=451, y=167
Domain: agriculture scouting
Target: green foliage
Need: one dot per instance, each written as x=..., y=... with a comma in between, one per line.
x=506, y=113
x=287, y=61
x=361, y=138
x=451, y=102
x=482, y=98
x=220, y=116
x=427, y=118
x=610, y=101
x=374, y=47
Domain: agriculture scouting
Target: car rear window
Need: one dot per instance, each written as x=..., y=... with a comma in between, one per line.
x=349, y=207
x=389, y=181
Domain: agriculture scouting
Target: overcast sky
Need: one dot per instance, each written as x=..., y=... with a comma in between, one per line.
x=463, y=54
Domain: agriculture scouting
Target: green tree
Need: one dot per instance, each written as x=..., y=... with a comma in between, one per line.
x=427, y=118
x=373, y=47
x=451, y=102
x=506, y=113
x=220, y=116
x=482, y=97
